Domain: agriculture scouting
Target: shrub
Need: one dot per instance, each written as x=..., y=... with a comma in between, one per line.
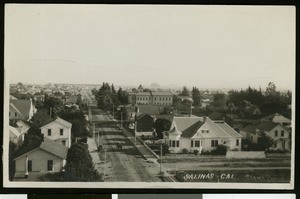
x=185, y=150
x=221, y=150
x=196, y=152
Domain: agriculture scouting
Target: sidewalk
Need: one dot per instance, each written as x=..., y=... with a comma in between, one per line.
x=93, y=151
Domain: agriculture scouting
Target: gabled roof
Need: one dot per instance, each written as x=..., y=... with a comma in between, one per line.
x=228, y=130
x=277, y=118
x=266, y=126
x=157, y=93
x=59, y=121
x=166, y=117
x=190, y=125
x=144, y=93
x=182, y=123
x=192, y=130
x=14, y=131
x=249, y=129
x=24, y=123
x=23, y=106
x=174, y=131
x=143, y=115
x=47, y=145
x=149, y=109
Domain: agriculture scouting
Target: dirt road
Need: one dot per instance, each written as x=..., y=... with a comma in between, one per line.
x=127, y=164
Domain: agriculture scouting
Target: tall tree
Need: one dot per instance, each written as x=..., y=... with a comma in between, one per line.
x=161, y=125
x=79, y=124
x=185, y=92
x=40, y=117
x=80, y=165
x=271, y=89
x=196, y=96
x=219, y=100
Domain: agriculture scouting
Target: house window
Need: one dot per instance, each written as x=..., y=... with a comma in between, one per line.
x=61, y=131
x=177, y=143
x=197, y=143
x=49, y=132
x=63, y=142
x=192, y=143
x=237, y=142
x=282, y=133
x=16, y=114
x=173, y=143
x=9, y=113
x=276, y=133
x=50, y=165
x=214, y=143
x=170, y=143
x=29, y=165
x=251, y=138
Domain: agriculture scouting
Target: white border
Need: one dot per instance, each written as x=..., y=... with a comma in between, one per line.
x=148, y=185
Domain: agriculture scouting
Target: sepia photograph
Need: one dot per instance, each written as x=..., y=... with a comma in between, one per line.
x=149, y=96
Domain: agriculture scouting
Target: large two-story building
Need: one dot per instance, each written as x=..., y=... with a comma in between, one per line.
x=164, y=98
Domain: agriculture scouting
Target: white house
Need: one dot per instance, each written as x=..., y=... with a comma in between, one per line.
x=34, y=161
x=15, y=135
x=279, y=133
x=58, y=130
x=21, y=109
x=200, y=133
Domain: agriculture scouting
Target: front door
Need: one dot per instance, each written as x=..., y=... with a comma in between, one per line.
x=283, y=144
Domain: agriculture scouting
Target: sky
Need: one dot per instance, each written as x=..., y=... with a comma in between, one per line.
x=203, y=46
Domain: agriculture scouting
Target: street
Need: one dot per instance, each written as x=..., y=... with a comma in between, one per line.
x=125, y=165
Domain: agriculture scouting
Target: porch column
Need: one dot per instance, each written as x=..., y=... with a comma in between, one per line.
x=63, y=165
x=26, y=167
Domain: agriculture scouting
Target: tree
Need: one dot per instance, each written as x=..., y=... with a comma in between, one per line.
x=52, y=104
x=264, y=142
x=219, y=100
x=12, y=149
x=271, y=89
x=40, y=117
x=122, y=96
x=185, y=92
x=80, y=165
x=140, y=88
x=161, y=125
x=196, y=96
x=79, y=124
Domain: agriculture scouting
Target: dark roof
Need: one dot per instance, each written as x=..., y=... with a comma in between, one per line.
x=47, y=145
x=216, y=116
x=144, y=93
x=190, y=131
x=23, y=106
x=266, y=126
x=157, y=93
x=249, y=129
x=143, y=115
x=277, y=118
x=166, y=117
x=150, y=109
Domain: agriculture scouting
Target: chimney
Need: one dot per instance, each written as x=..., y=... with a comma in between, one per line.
x=204, y=118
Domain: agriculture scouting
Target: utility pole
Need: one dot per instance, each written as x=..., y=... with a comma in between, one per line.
x=121, y=119
x=161, y=159
x=104, y=163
